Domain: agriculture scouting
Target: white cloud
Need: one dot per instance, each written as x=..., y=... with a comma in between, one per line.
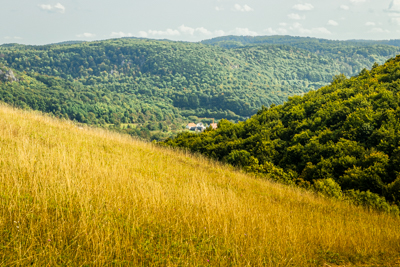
x=59, y=7
x=296, y=16
x=370, y=23
x=186, y=30
x=168, y=32
x=283, y=24
x=56, y=8
x=344, y=7
x=217, y=8
x=357, y=1
x=303, y=7
x=297, y=27
x=12, y=38
x=379, y=30
x=277, y=31
x=247, y=8
x=203, y=30
x=191, y=31
x=282, y=31
x=121, y=34
x=181, y=30
x=394, y=7
x=143, y=34
x=86, y=35
x=332, y=23
x=244, y=31
x=244, y=8
x=46, y=7
x=270, y=31
x=395, y=21
x=320, y=30
x=219, y=33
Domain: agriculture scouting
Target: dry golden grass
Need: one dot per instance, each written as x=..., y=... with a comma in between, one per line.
x=83, y=197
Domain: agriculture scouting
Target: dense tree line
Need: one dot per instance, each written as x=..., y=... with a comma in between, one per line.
x=344, y=137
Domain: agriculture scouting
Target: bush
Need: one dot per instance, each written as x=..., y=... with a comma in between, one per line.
x=240, y=158
x=277, y=173
x=328, y=187
x=371, y=200
x=393, y=190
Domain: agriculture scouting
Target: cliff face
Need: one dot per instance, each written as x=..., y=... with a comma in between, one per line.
x=7, y=76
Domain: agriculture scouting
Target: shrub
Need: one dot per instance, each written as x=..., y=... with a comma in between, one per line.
x=328, y=187
x=239, y=158
x=393, y=190
x=278, y=174
x=371, y=200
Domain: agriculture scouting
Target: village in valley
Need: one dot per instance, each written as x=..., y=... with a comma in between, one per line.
x=200, y=127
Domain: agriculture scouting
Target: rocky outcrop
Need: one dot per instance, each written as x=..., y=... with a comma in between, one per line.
x=7, y=76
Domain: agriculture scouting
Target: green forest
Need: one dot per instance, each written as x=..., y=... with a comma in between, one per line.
x=153, y=88
x=343, y=139
x=308, y=43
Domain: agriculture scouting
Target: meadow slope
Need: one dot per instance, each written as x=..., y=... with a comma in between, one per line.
x=73, y=196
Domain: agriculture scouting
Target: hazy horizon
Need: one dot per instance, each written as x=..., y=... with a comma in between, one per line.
x=165, y=39
x=37, y=22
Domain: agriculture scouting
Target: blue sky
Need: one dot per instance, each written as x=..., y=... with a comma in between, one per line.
x=48, y=21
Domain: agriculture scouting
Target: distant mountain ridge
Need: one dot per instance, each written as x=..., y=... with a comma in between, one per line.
x=233, y=40
x=68, y=42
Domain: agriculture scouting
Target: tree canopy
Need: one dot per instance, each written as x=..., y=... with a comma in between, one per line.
x=348, y=132
x=158, y=86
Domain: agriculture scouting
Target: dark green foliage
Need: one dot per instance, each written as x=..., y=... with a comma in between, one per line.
x=369, y=199
x=200, y=80
x=347, y=133
x=142, y=83
x=328, y=187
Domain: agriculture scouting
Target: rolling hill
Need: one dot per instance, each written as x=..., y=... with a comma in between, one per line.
x=156, y=86
x=308, y=43
x=75, y=196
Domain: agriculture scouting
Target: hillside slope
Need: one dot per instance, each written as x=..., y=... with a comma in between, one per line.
x=75, y=196
x=348, y=131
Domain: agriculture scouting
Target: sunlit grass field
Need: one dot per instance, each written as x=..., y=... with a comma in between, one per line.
x=73, y=196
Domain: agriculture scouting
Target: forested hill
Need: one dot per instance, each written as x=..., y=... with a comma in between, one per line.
x=163, y=84
x=308, y=43
x=348, y=131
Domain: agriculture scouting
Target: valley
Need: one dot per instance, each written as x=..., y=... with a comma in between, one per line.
x=162, y=85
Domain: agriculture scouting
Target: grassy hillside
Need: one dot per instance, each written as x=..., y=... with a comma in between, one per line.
x=74, y=196
x=140, y=80
x=348, y=131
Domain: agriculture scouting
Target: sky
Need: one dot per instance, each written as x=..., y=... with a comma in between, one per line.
x=39, y=22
